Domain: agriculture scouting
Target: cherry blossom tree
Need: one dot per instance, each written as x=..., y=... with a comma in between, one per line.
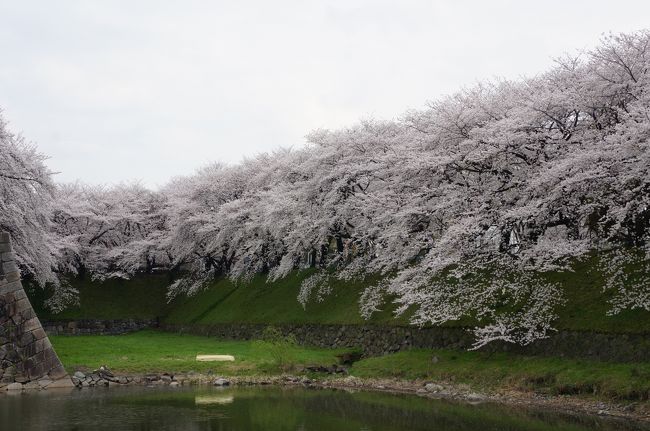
x=25, y=203
x=461, y=207
x=110, y=232
x=508, y=178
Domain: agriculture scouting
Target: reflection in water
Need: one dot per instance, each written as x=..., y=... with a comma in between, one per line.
x=200, y=400
x=271, y=409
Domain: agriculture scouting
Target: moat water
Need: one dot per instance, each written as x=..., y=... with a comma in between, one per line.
x=272, y=409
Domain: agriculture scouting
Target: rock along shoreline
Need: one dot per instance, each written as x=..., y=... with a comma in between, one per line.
x=103, y=377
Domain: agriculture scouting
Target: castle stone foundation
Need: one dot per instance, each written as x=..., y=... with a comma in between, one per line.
x=27, y=359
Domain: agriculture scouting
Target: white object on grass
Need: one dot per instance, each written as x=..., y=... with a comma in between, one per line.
x=214, y=358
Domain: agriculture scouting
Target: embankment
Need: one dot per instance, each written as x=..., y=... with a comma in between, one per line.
x=242, y=311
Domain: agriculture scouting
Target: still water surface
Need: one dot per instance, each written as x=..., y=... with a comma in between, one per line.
x=271, y=409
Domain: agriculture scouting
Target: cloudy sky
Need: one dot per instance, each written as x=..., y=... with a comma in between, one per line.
x=149, y=89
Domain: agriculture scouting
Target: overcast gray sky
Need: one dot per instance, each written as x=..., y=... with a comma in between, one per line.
x=150, y=89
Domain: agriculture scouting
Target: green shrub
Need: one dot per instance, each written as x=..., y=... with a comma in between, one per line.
x=278, y=347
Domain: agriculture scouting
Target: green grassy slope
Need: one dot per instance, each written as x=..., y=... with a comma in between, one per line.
x=142, y=297
x=274, y=303
x=587, y=304
x=585, y=308
x=262, y=302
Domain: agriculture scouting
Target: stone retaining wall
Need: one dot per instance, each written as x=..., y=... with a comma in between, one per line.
x=97, y=326
x=379, y=340
x=26, y=355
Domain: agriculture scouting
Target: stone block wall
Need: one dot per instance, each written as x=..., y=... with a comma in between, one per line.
x=97, y=326
x=26, y=355
x=380, y=340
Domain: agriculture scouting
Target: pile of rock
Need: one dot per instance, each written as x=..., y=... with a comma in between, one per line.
x=82, y=380
x=295, y=380
x=334, y=369
x=104, y=377
x=220, y=382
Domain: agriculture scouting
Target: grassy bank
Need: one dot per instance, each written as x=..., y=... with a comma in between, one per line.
x=152, y=351
x=149, y=351
x=272, y=303
x=223, y=301
x=502, y=371
x=142, y=297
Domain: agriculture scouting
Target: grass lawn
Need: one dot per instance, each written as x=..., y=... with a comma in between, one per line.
x=554, y=376
x=152, y=351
